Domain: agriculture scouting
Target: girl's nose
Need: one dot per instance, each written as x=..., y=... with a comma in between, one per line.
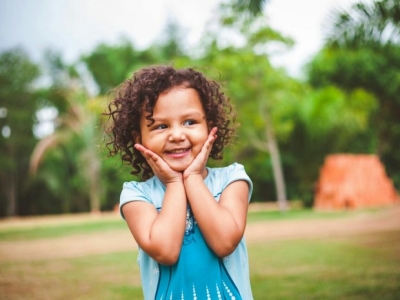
x=176, y=135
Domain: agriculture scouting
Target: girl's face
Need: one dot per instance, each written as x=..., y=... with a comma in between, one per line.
x=179, y=130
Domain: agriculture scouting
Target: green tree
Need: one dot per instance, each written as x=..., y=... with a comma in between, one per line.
x=363, y=51
x=262, y=92
x=375, y=24
x=69, y=157
x=110, y=65
x=326, y=121
x=254, y=7
x=77, y=132
x=18, y=104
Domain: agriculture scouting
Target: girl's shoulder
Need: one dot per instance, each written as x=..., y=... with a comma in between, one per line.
x=142, y=185
x=231, y=169
x=220, y=178
x=151, y=191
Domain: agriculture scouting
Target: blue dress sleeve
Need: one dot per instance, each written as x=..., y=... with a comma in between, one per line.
x=131, y=191
x=237, y=172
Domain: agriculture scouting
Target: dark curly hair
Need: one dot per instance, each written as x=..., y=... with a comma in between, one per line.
x=140, y=93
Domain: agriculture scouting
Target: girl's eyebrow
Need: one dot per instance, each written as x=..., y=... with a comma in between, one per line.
x=195, y=114
x=191, y=114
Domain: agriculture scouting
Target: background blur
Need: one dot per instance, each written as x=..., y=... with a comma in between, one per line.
x=327, y=82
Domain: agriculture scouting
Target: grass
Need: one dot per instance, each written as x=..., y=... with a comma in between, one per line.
x=347, y=269
x=103, y=277
x=303, y=214
x=364, y=267
x=59, y=230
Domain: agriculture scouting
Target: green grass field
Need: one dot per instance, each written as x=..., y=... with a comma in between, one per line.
x=366, y=266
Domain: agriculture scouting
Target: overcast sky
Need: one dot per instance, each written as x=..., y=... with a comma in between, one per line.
x=74, y=27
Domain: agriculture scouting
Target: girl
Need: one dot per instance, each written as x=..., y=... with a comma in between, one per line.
x=187, y=219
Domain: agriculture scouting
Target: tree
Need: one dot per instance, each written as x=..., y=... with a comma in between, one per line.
x=111, y=64
x=18, y=106
x=78, y=127
x=326, y=120
x=254, y=7
x=375, y=24
x=72, y=147
x=258, y=89
x=363, y=51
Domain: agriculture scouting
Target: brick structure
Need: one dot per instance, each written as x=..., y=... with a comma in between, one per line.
x=353, y=181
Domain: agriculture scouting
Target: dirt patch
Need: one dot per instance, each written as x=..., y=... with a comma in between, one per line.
x=121, y=240
x=385, y=220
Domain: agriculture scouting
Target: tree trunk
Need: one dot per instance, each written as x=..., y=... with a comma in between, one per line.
x=11, y=195
x=93, y=171
x=276, y=164
x=94, y=192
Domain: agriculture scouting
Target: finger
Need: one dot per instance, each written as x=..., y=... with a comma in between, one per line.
x=211, y=138
x=139, y=147
x=148, y=154
x=213, y=132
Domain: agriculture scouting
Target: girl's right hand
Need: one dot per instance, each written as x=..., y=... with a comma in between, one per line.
x=160, y=168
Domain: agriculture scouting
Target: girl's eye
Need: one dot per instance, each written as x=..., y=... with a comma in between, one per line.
x=159, y=127
x=189, y=122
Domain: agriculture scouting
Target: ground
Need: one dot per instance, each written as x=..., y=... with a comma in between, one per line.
x=80, y=245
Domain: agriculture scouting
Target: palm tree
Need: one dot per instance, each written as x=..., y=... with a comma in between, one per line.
x=366, y=24
x=254, y=7
x=79, y=122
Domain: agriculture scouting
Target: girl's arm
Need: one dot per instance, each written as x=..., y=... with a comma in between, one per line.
x=160, y=234
x=221, y=223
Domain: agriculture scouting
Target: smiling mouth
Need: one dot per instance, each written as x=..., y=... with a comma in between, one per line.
x=178, y=151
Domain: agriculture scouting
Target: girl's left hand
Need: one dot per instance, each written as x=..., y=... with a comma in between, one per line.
x=159, y=167
x=199, y=163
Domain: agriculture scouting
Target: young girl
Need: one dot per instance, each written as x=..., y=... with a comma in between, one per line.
x=187, y=219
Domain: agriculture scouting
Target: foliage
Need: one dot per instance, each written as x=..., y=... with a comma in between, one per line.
x=86, y=180
x=366, y=25
x=259, y=90
x=77, y=131
x=18, y=103
x=253, y=7
x=110, y=65
x=363, y=51
x=327, y=120
x=349, y=104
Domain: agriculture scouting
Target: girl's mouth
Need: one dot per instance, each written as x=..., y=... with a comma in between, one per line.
x=178, y=152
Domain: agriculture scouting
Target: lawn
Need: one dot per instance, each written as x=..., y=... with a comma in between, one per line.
x=365, y=266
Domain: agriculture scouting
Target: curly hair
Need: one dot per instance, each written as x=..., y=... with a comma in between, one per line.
x=139, y=94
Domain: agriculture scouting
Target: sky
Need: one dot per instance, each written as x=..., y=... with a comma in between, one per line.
x=75, y=27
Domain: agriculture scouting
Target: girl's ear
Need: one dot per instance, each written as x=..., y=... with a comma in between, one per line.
x=136, y=137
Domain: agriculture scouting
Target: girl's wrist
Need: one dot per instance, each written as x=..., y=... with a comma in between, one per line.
x=173, y=181
x=193, y=176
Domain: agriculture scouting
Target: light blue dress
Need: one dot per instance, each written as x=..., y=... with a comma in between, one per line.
x=199, y=273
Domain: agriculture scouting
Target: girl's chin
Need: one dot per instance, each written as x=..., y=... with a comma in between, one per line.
x=179, y=168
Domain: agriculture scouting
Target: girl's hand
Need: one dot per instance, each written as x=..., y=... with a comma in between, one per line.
x=160, y=168
x=199, y=163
